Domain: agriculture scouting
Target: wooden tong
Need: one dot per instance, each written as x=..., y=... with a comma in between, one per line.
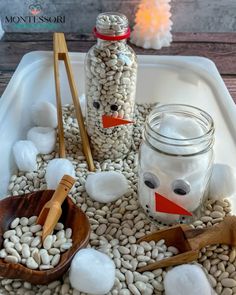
x=189, y=241
x=52, y=211
x=61, y=53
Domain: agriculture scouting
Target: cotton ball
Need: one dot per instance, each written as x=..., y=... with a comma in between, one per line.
x=179, y=127
x=92, y=272
x=44, y=114
x=44, y=139
x=25, y=154
x=222, y=182
x=187, y=279
x=82, y=100
x=106, y=186
x=170, y=126
x=126, y=60
x=56, y=169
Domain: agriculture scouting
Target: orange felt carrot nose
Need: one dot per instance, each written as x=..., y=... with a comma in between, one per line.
x=166, y=206
x=108, y=121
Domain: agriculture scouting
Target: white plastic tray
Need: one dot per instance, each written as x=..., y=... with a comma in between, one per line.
x=167, y=79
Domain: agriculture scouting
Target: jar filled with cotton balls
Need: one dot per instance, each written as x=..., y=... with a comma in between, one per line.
x=111, y=70
x=176, y=159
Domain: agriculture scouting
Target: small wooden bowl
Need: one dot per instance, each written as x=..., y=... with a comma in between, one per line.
x=29, y=205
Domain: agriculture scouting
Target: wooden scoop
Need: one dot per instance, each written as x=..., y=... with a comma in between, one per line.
x=189, y=241
x=51, y=212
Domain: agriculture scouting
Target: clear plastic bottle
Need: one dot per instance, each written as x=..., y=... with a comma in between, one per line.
x=174, y=172
x=111, y=70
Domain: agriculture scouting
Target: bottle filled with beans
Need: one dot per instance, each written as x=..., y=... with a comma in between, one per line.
x=111, y=71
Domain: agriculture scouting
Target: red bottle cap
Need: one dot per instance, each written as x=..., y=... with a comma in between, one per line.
x=111, y=38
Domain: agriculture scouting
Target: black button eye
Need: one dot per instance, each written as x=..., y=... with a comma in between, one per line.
x=150, y=184
x=150, y=180
x=180, y=191
x=181, y=187
x=114, y=107
x=96, y=104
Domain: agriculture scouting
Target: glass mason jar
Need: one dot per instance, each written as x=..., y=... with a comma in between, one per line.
x=111, y=70
x=174, y=171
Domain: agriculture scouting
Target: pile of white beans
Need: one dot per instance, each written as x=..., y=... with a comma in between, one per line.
x=23, y=244
x=117, y=226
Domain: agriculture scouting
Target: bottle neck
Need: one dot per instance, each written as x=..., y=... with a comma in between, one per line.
x=111, y=28
x=112, y=24
x=104, y=43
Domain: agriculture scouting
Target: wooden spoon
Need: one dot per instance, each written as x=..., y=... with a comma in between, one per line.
x=190, y=241
x=51, y=211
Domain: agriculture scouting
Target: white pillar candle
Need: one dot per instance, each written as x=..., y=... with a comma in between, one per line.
x=152, y=24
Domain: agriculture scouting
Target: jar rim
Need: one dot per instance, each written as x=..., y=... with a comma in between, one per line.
x=179, y=146
x=162, y=107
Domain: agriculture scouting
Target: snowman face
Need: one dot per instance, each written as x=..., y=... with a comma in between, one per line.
x=108, y=120
x=163, y=178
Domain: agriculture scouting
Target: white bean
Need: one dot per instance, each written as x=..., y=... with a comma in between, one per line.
x=11, y=259
x=31, y=263
x=15, y=222
x=55, y=260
